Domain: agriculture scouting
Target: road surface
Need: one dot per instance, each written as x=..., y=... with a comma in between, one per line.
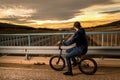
x=20, y=69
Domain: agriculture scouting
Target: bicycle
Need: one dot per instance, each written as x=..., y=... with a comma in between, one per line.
x=85, y=64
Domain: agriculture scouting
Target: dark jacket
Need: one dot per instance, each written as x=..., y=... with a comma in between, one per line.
x=80, y=39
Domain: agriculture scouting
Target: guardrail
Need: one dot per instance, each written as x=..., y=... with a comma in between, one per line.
x=100, y=43
x=50, y=39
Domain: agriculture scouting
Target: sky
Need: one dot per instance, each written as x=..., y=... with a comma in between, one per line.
x=59, y=13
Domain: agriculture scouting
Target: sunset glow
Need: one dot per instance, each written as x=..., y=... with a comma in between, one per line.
x=89, y=13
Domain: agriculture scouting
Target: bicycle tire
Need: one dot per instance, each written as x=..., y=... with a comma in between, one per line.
x=60, y=65
x=83, y=70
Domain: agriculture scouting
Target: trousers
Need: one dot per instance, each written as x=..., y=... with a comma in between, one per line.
x=71, y=54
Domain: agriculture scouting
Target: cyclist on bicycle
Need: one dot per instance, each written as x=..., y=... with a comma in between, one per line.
x=80, y=48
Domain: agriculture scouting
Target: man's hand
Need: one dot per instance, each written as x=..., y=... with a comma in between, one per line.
x=59, y=42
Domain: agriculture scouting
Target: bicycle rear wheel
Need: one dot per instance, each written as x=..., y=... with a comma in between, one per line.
x=57, y=63
x=88, y=66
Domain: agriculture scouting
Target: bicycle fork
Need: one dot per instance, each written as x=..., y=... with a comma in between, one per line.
x=59, y=57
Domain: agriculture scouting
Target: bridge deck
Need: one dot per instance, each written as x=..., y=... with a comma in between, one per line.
x=108, y=69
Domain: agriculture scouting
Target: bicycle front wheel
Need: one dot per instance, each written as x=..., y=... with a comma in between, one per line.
x=57, y=63
x=88, y=66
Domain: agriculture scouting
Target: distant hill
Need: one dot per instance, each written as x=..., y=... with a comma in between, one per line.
x=113, y=26
x=6, y=28
x=12, y=26
x=116, y=23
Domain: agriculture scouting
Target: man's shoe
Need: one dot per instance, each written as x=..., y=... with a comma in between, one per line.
x=68, y=73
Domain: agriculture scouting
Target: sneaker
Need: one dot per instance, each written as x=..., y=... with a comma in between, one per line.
x=68, y=73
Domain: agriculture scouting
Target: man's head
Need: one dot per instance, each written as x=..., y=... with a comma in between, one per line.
x=77, y=25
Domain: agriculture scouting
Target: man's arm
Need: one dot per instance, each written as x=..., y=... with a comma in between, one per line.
x=71, y=41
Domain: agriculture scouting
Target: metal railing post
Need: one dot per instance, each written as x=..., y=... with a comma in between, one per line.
x=28, y=39
x=27, y=57
x=102, y=39
x=63, y=36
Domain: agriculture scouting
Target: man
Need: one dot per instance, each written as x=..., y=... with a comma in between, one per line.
x=80, y=48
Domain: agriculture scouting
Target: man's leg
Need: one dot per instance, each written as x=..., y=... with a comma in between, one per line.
x=69, y=51
x=75, y=52
x=68, y=63
x=73, y=58
x=74, y=61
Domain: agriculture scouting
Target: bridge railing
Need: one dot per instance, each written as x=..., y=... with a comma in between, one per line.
x=101, y=44
x=101, y=39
